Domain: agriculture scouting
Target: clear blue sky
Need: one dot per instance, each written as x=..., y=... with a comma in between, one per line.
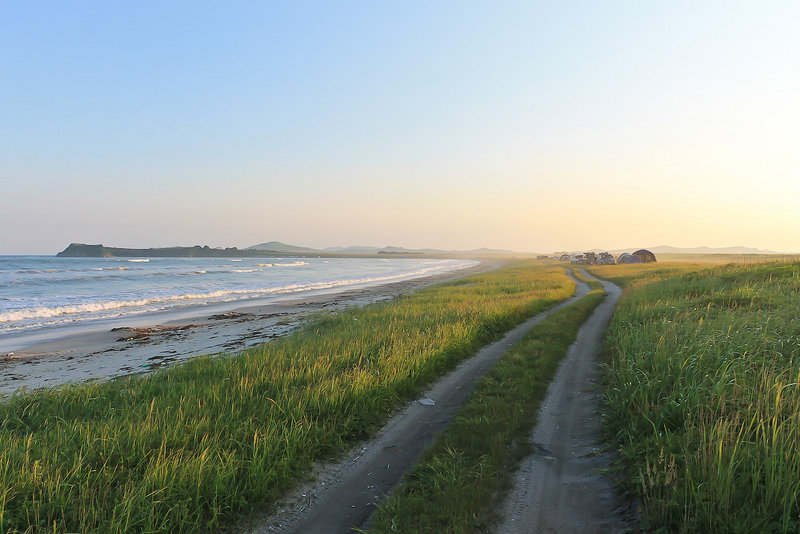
x=524, y=125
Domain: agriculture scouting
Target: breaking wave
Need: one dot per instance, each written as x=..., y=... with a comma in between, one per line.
x=220, y=295
x=293, y=264
x=103, y=291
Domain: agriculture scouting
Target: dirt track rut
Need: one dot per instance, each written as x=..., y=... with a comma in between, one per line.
x=558, y=489
x=343, y=495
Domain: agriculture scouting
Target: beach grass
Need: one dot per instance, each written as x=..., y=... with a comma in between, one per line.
x=702, y=395
x=462, y=479
x=192, y=447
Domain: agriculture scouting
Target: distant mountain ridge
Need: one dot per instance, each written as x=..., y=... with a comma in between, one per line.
x=667, y=249
x=270, y=248
x=277, y=246
x=404, y=250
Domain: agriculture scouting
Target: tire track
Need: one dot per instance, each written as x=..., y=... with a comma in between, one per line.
x=558, y=488
x=343, y=495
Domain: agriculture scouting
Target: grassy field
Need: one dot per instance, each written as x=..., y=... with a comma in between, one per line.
x=746, y=259
x=703, y=394
x=463, y=477
x=189, y=448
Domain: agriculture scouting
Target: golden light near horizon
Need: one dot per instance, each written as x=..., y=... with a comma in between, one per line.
x=516, y=126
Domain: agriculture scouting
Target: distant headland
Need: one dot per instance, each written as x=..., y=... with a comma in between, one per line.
x=79, y=250
x=276, y=248
x=270, y=249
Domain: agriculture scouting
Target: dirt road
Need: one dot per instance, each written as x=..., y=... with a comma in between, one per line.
x=558, y=489
x=343, y=496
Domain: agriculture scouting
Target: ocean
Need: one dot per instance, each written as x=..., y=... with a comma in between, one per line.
x=38, y=293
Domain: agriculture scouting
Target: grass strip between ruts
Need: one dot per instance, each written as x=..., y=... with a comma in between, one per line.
x=463, y=477
x=192, y=447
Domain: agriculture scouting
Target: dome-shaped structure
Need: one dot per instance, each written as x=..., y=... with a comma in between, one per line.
x=645, y=255
x=628, y=258
x=564, y=257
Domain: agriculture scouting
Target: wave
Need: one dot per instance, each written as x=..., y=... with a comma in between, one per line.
x=292, y=264
x=42, y=271
x=244, y=270
x=57, y=313
x=94, y=307
x=139, y=261
x=66, y=281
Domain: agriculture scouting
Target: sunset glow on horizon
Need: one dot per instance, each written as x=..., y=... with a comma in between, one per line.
x=454, y=125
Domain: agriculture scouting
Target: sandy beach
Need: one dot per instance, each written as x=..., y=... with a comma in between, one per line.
x=152, y=342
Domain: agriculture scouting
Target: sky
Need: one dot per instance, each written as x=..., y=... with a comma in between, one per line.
x=531, y=126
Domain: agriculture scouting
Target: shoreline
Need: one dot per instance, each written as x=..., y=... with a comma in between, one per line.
x=143, y=344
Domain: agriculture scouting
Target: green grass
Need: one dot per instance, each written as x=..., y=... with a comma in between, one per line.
x=192, y=447
x=591, y=282
x=703, y=396
x=463, y=477
x=747, y=259
x=640, y=274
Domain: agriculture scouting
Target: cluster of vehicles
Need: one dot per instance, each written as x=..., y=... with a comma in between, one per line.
x=589, y=258
x=604, y=258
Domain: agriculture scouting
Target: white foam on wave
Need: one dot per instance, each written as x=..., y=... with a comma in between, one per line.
x=38, y=271
x=94, y=307
x=244, y=270
x=292, y=264
x=91, y=310
x=138, y=261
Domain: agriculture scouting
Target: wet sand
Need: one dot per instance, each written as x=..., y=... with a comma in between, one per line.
x=140, y=348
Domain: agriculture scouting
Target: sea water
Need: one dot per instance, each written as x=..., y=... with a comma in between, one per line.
x=44, y=292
